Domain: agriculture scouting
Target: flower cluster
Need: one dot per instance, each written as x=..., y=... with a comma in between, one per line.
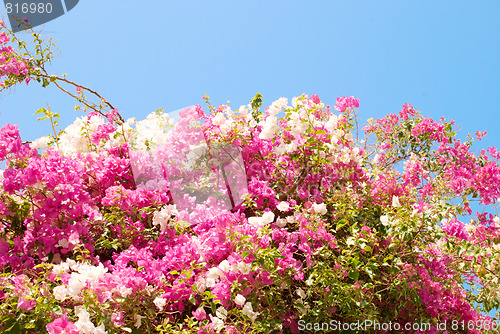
x=11, y=65
x=143, y=226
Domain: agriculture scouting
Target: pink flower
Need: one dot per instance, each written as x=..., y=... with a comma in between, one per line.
x=200, y=314
x=366, y=229
x=315, y=99
x=344, y=103
x=25, y=304
x=62, y=325
x=118, y=318
x=456, y=228
x=79, y=90
x=3, y=37
x=480, y=135
x=110, y=116
x=10, y=141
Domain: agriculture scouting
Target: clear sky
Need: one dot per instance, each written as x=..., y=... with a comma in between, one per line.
x=441, y=56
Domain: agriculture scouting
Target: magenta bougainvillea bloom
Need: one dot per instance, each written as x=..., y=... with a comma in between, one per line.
x=62, y=326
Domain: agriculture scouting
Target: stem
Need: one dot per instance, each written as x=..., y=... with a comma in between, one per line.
x=53, y=126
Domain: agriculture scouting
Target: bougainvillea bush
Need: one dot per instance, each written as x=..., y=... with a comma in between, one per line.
x=333, y=229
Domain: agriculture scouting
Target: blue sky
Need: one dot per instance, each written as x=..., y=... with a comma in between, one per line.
x=441, y=56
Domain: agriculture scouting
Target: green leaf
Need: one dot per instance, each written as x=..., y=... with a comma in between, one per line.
x=14, y=329
x=40, y=111
x=354, y=274
x=369, y=271
x=257, y=101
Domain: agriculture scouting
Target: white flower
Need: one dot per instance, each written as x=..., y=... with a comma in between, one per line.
x=297, y=101
x=62, y=243
x=297, y=125
x=249, y=312
x=72, y=140
x=138, y=320
x=84, y=325
x=332, y=123
x=60, y=292
x=131, y=121
x=270, y=127
x=218, y=119
x=221, y=313
x=92, y=273
x=226, y=127
x=319, y=208
x=210, y=282
x=416, y=213
x=225, y=266
x=240, y=300
x=283, y=206
x=395, y=201
x=384, y=220
x=255, y=221
x=100, y=329
x=268, y=217
x=244, y=268
x=217, y=323
x=163, y=216
x=42, y=142
x=152, y=130
x=281, y=222
x=301, y=293
x=214, y=273
x=160, y=302
x=86, y=273
x=243, y=110
x=281, y=148
x=201, y=284
x=76, y=284
x=277, y=106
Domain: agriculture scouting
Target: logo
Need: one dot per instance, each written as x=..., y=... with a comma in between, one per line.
x=26, y=14
x=204, y=179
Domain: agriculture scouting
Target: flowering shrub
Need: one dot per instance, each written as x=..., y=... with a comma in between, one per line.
x=330, y=228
